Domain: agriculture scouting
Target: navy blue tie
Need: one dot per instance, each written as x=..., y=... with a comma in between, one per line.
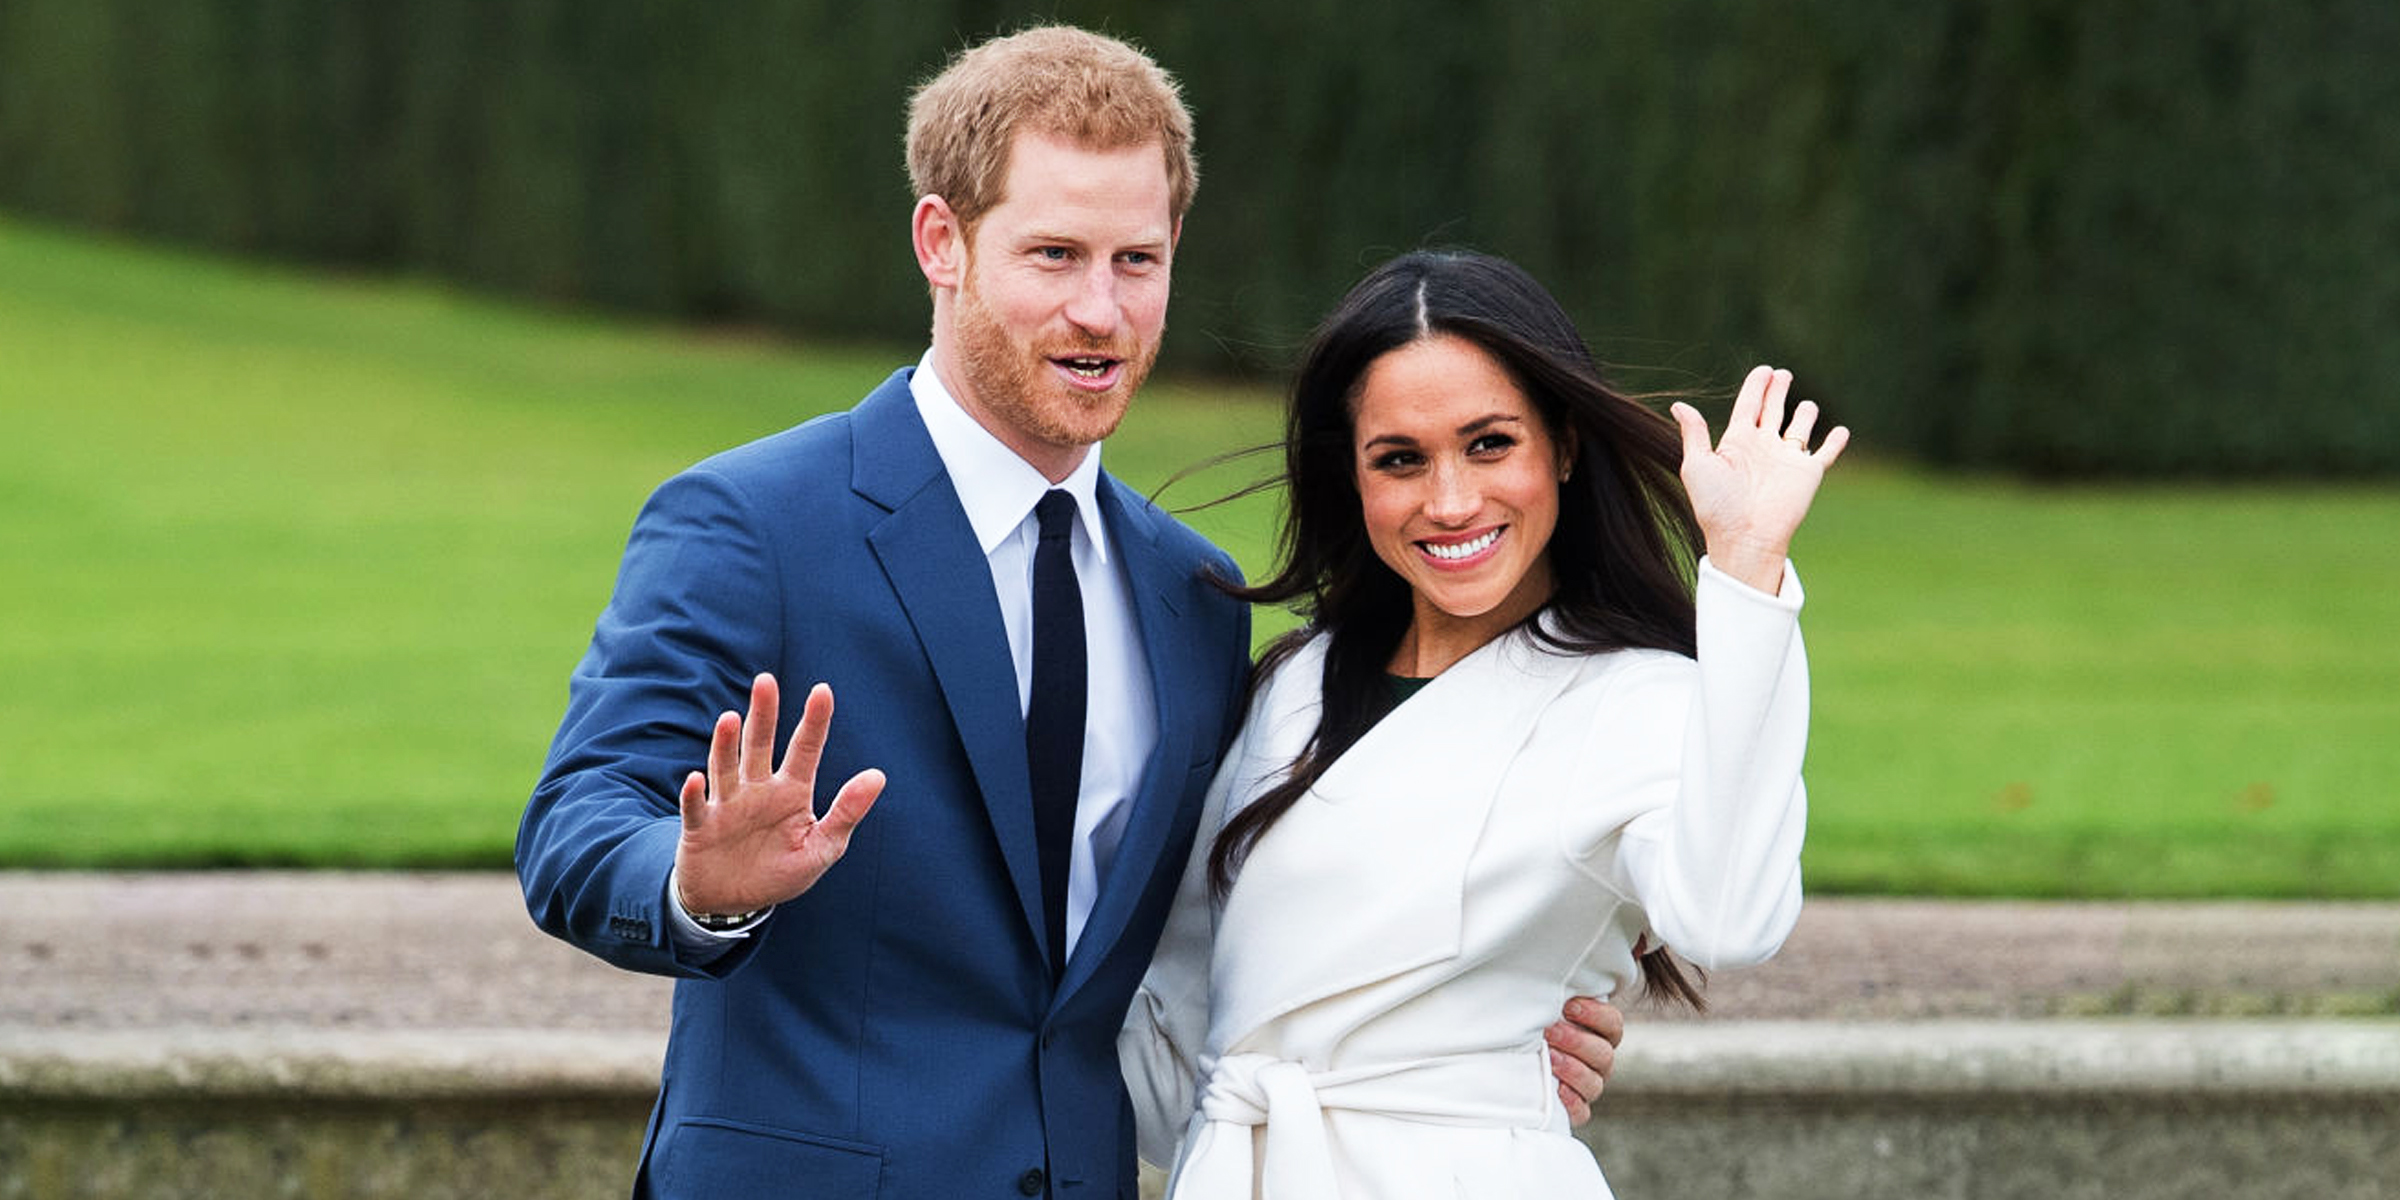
x=1054, y=713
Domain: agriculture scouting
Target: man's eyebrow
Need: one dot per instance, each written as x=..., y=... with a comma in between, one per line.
x=1078, y=239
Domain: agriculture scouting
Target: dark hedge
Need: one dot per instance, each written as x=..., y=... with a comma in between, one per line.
x=2134, y=238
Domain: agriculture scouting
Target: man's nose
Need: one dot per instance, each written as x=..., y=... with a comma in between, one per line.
x=1093, y=308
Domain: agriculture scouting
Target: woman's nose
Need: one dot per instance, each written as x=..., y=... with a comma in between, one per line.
x=1454, y=500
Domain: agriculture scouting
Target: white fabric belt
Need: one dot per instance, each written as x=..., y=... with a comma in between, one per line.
x=1509, y=1089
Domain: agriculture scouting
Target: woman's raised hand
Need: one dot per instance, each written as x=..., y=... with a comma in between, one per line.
x=1751, y=491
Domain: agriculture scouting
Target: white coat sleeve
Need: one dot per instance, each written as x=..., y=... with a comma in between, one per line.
x=1717, y=869
x=1167, y=1024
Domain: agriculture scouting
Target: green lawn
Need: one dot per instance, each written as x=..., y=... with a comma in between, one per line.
x=293, y=568
x=2101, y=692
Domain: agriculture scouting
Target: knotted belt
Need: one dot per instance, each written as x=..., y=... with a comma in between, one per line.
x=1502, y=1088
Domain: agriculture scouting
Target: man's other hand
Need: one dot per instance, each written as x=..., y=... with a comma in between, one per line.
x=1583, y=1050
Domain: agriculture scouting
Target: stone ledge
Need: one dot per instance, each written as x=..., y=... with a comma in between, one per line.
x=1699, y=1111
x=1662, y=1061
x=2056, y=1059
x=315, y=1064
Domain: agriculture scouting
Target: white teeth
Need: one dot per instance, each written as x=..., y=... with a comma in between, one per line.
x=1462, y=549
x=1088, y=368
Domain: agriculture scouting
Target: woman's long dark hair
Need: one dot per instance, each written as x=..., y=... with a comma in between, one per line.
x=1621, y=555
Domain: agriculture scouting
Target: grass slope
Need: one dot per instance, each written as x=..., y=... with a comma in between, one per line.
x=295, y=568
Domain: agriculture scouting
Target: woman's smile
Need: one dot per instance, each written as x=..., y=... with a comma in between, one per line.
x=1471, y=550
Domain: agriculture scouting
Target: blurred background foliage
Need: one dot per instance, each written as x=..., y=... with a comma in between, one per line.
x=297, y=560
x=2137, y=238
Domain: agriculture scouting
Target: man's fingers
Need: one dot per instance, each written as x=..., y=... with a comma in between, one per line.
x=758, y=730
x=693, y=801
x=1575, y=1074
x=724, y=752
x=808, y=737
x=1579, y=1057
x=1583, y=1051
x=850, y=805
x=1605, y=1021
x=1579, y=1110
x=1578, y=1086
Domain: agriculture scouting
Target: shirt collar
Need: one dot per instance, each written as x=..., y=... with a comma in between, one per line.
x=997, y=488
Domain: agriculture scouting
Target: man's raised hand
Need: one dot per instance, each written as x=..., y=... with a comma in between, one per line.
x=751, y=834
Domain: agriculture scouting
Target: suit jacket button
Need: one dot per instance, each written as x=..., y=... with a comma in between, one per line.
x=1030, y=1183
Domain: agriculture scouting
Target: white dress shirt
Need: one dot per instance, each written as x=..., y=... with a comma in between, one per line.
x=1120, y=718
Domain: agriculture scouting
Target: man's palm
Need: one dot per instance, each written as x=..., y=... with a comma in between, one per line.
x=751, y=834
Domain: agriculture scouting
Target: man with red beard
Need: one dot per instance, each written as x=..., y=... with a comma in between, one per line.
x=1036, y=678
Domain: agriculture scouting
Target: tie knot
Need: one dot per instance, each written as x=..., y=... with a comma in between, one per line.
x=1056, y=512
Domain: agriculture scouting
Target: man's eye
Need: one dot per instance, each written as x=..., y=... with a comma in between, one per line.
x=1052, y=253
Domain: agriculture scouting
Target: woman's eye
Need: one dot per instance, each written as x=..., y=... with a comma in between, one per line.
x=1394, y=460
x=1490, y=443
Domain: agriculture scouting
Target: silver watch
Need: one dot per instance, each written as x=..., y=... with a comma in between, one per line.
x=724, y=922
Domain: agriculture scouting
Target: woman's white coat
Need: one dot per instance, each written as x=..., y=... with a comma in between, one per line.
x=1365, y=1012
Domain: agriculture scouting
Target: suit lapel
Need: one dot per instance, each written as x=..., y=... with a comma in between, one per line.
x=1155, y=581
x=937, y=570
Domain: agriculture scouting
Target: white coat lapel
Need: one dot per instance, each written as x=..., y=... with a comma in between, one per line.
x=1364, y=877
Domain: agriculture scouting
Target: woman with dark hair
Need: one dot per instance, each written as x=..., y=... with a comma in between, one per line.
x=1513, y=755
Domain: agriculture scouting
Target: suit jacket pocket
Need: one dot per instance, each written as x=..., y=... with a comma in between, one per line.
x=725, y=1158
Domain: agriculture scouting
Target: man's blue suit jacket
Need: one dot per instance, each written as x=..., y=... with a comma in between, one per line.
x=894, y=1032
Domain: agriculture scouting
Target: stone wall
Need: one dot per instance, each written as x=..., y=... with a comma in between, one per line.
x=2123, y=1110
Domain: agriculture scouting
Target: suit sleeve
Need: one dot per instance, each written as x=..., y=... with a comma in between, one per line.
x=1715, y=863
x=697, y=611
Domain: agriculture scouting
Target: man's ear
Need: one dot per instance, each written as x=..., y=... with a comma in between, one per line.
x=940, y=241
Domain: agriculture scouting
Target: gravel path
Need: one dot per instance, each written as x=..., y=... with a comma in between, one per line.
x=455, y=951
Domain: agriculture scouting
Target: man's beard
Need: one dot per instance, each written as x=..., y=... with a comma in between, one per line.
x=1015, y=384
